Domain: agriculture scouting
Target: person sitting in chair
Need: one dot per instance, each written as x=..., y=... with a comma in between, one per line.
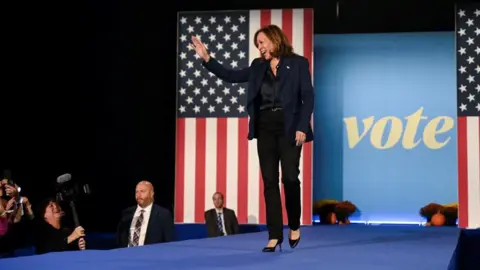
x=145, y=223
x=220, y=220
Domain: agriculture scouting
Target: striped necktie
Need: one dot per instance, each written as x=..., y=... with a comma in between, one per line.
x=138, y=227
x=220, y=223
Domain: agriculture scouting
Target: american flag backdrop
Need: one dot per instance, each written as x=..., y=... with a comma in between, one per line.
x=468, y=112
x=212, y=150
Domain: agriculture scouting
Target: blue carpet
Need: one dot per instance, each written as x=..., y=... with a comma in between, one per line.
x=323, y=247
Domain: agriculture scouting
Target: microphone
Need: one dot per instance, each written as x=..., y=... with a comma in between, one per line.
x=64, y=178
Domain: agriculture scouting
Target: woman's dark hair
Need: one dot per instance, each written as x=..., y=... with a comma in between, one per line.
x=42, y=207
x=282, y=46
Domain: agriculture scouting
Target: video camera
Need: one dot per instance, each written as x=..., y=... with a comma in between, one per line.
x=68, y=191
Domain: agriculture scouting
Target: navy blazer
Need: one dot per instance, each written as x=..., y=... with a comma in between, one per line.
x=160, y=228
x=295, y=84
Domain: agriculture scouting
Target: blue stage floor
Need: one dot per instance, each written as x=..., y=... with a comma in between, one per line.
x=322, y=247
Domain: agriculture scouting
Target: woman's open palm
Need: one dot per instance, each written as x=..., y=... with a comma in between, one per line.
x=200, y=48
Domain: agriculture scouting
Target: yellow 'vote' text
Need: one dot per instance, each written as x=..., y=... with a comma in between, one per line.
x=435, y=126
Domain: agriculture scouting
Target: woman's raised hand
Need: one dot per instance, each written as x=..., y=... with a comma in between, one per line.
x=200, y=49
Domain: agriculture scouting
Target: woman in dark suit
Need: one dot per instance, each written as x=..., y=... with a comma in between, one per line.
x=279, y=103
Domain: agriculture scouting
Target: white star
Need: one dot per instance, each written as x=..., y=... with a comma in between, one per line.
x=477, y=69
x=233, y=100
x=470, y=22
x=477, y=50
x=182, y=73
x=189, y=47
x=204, y=100
x=197, y=73
x=227, y=19
x=219, y=46
x=461, y=13
x=182, y=109
x=477, y=13
x=196, y=91
x=189, y=100
x=196, y=109
x=226, y=108
x=234, y=46
x=234, y=28
x=477, y=31
x=211, y=91
x=212, y=54
x=196, y=56
x=212, y=37
x=190, y=64
x=189, y=82
x=470, y=60
x=462, y=51
x=219, y=82
x=463, y=88
x=471, y=98
x=205, y=29
x=241, y=108
x=212, y=20
x=461, y=32
x=463, y=107
x=204, y=82
x=226, y=37
x=241, y=55
x=183, y=20
x=183, y=55
x=226, y=55
x=470, y=41
x=226, y=91
x=242, y=19
x=470, y=79
x=241, y=91
x=478, y=107
x=198, y=20
x=462, y=69
x=183, y=38
x=182, y=91
x=241, y=36
x=211, y=109
x=234, y=64
x=190, y=29
x=219, y=28
x=210, y=73
x=478, y=88
x=218, y=100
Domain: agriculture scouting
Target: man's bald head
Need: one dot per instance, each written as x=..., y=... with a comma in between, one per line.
x=144, y=193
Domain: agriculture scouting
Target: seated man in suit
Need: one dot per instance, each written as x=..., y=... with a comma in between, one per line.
x=145, y=223
x=220, y=220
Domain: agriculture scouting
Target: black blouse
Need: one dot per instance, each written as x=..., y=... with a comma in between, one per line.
x=49, y=239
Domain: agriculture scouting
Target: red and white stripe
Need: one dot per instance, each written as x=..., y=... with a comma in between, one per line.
x=213, y=154
x=469, y=172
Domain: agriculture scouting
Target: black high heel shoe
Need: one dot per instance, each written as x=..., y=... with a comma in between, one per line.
x=293, y=243
x=272, y=249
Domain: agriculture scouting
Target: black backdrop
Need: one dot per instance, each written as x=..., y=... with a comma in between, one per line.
x=89, y=89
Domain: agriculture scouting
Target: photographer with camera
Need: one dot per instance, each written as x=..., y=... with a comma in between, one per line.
x=15, y=214
x=50, y=235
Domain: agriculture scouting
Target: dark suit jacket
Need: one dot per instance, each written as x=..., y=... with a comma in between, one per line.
x=229, y=217
x=295, y=84
x=160, y=228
